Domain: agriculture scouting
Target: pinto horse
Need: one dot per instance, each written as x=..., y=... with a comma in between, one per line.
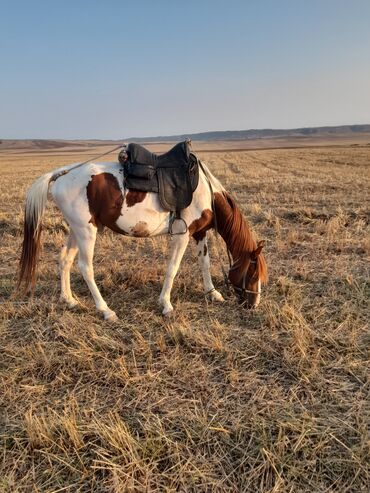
x=91, y=196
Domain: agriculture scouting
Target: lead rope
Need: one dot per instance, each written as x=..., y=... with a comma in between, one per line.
x=65, y=171
x=216, y=232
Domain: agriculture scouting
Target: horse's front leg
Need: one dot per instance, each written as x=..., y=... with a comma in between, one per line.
x=204, y=264
x=179, y=244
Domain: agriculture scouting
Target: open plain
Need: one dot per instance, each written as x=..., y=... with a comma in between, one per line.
x=218, y=399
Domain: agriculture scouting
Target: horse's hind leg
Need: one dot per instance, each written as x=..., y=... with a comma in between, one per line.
x=204, y=264
x=67, y=256
x=86, y=237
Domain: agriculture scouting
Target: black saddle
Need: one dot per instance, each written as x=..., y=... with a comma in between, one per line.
x=174, y=175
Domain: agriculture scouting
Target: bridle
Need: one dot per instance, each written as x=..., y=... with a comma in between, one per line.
x=243, y=289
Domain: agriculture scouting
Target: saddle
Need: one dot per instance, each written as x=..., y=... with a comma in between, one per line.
x=174, y=175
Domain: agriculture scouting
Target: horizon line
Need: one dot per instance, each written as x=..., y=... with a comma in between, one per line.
x=183, y=134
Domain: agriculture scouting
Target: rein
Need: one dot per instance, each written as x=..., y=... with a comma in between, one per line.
x=217, y=234
x=65, y=171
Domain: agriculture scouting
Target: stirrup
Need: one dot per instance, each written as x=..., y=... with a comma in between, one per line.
x=176, y=217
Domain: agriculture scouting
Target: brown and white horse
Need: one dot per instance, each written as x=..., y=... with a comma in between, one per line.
x=92, y=196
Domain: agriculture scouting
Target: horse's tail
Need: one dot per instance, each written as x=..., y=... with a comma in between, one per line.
x=36, y=200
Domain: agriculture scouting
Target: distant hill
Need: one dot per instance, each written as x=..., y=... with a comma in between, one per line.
x=269, y=138
x=266, y=133
x=49, y=144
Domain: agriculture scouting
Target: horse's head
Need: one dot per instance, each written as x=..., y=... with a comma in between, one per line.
x=247, y=275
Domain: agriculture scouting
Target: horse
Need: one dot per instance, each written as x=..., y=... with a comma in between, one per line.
x=92, y=196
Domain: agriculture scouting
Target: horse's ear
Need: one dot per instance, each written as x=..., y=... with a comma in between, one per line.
x=258, y=250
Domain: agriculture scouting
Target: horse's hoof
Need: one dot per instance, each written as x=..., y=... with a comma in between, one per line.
x=70, y=302
x=169, y=314
x=110, y=316
x=216, y=296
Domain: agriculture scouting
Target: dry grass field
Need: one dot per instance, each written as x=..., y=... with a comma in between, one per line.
x=218, y=399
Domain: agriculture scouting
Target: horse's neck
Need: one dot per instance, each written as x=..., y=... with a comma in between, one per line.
x=232, y=226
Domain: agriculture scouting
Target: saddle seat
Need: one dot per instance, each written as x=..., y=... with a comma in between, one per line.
x=174, y=175
x=179, y=155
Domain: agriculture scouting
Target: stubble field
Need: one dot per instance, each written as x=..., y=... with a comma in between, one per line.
x=218, y=399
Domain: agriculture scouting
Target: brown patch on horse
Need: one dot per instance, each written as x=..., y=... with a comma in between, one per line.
x=140, y=229
x=200, y=226
x=133, y=197
x=105, y=200
x=205, y=250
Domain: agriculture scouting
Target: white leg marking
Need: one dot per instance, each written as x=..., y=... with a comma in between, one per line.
x=67, y=256
x=180, y=243
x=86, y=237
x=204, y=264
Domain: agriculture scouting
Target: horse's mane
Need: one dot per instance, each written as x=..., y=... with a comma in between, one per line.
x=238, y=235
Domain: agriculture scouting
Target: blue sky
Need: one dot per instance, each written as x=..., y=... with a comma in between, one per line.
x=112, y=69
